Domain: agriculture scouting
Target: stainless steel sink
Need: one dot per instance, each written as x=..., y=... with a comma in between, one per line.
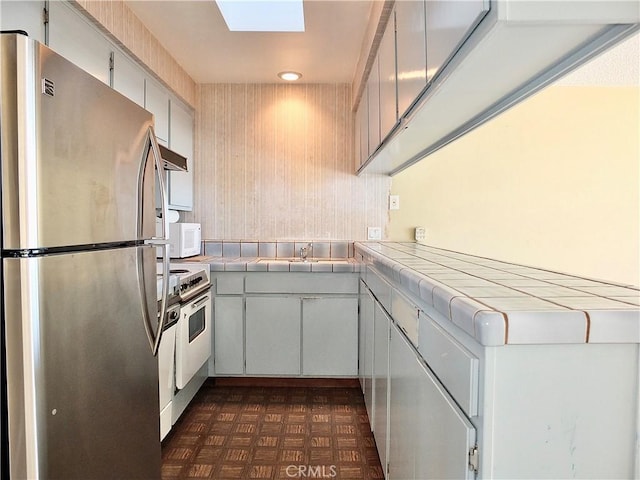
x=283, y=261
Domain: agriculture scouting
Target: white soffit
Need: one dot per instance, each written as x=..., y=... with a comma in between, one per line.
x=262, y=15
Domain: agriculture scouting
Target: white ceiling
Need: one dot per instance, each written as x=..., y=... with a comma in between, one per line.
x=196, y=35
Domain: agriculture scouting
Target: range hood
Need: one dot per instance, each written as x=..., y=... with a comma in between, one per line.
x=172, y=160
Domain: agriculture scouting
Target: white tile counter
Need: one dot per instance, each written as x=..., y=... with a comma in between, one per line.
x=260, y=264
x=277, y=256
x=501, y=303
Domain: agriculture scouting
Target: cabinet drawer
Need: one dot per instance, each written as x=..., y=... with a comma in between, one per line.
x=453, y=364
x=229, y=284
x=379, y=287
x=291, y=283
x=405, y=314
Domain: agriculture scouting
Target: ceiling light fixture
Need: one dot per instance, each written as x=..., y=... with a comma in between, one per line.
x=290, y=76
x=262, y=15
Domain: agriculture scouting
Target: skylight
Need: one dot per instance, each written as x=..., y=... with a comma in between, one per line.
x=262, y=15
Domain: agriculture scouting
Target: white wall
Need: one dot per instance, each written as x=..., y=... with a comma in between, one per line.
x=553, y=182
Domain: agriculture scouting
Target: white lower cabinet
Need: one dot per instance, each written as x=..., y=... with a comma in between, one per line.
x=270, y=324
x=443, y=435
x=365, y=363
x=273, y=336
x=404, y=376
x=447, y=407
x=166, y=377
x=228, y=336
x=420, y=432
x=329, y=336
x=380, y=424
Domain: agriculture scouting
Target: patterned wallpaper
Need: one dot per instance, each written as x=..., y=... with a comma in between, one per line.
x=276, y=162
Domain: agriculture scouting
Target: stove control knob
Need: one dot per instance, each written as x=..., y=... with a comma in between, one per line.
x=173, y=315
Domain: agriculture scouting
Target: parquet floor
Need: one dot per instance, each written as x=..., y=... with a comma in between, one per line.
x=273, y=432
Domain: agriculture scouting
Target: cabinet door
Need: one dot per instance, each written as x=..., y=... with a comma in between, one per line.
x=373, y=100
x=366, y=347
x=357, y=134
x=272, y=335
x=27, y=16
x=448, y=25
x=181, y=141
x=445, y=434
x=128, y=78
x=330, y=336
x=156, y=101
x=387, y=71
x=228, y=336
x=404, y=377
x=380, y=381
x=73, y=37
x=363, y=121
x=411, y=51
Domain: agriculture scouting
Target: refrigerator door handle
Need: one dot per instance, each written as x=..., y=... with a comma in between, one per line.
x=163, y=241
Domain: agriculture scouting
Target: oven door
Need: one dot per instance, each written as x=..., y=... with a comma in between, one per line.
x=193, y=338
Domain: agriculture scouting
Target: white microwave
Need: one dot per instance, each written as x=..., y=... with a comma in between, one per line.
x=184, y=240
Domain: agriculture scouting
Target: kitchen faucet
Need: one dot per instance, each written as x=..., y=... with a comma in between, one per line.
x=304, y=251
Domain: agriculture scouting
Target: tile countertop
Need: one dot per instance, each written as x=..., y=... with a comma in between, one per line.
x=260, y=264
x=501, y=303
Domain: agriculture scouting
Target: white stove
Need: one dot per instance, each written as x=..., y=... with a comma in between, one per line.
x=186, y=280
x=186, y=341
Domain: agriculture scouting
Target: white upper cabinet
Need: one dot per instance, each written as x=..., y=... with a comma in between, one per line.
x=482, y=58
x=128, y=78
x=75, y=38
x=181, y=141
x=362, y=120
x=411, y=51
x=373, y=100
x=156, y=101
x=25, y=16
x=387, y=71
x=448, y=24
x=360, y=127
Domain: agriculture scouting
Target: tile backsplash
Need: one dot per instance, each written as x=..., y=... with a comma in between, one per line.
x=285, y=249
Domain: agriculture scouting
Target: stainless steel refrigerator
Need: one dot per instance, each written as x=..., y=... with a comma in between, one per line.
x=79, y=310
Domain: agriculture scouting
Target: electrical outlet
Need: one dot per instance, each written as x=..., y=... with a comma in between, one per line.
x=394, y=202
x=374, y=233
x=420, y=234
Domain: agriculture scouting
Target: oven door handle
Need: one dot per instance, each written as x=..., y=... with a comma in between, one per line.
x=200, y=302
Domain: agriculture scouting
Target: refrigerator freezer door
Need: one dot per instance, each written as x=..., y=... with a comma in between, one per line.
x=82, y=382
x=73, y=152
